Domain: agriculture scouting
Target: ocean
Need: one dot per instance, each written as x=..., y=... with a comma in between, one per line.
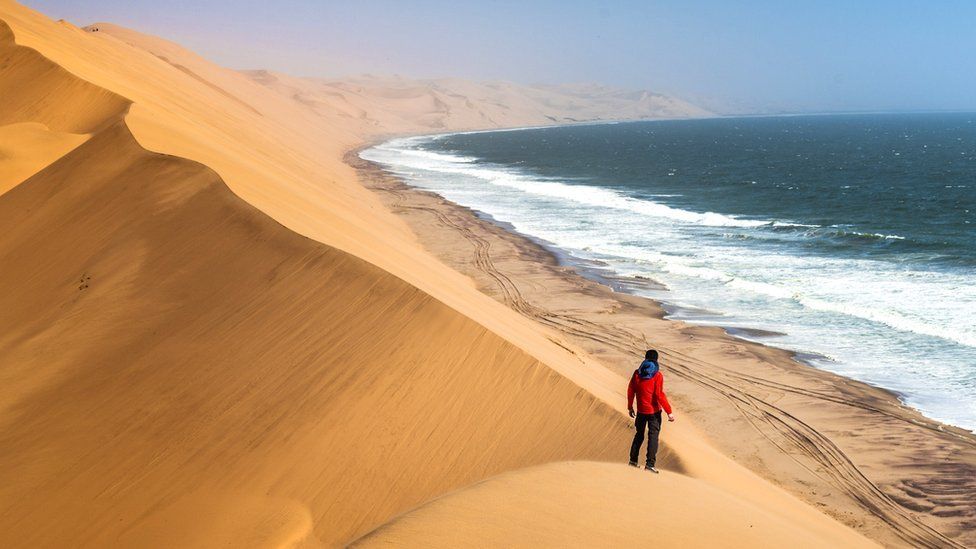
x=851, y=237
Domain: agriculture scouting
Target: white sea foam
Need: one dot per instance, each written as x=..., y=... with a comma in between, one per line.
x=892, y=319
x=579, y=194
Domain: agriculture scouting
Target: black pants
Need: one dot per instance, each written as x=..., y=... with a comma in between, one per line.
x=651, y=422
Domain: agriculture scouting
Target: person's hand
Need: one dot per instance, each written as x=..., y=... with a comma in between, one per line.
x=670, y=417
x=631, y=413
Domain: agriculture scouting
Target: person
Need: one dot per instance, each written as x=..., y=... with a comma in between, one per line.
x=647, y=386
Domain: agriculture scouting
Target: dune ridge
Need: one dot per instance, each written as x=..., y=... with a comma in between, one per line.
x=110, y=334
x=213, y=335
x=405, y=104
x=550, y=506
x=43, y=126
x=59, y=101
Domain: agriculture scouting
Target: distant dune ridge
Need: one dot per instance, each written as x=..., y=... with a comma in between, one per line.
x=453, y=104
x=212, y=335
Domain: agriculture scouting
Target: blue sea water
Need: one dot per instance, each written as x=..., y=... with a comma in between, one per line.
x=855, y=235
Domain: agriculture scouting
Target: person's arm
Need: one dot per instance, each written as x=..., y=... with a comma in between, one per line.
x=662, y=398
x=630, y=396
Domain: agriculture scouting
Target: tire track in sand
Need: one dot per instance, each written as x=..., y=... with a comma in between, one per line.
x=797, y=439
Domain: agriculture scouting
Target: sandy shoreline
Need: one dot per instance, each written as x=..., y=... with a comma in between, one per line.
x=849, y=448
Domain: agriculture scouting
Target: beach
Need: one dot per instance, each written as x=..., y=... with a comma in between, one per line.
x=839, y=444
x=220, y=327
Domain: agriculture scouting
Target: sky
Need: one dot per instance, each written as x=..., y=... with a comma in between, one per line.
x=729, y=56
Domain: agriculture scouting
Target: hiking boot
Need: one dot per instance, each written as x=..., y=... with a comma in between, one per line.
x=633, y=464
x=651, y=469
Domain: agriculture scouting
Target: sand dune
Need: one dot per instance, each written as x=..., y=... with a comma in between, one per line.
x=213, y=335
x=179, y=350
x=28, y=147
x=560, y=504
x=45, y=111
x=40, y=91
x=172, y=351
x=403, y=104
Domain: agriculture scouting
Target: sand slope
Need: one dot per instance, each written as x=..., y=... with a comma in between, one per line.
x=562, y=504
x=45, y=111
x=172, y=351
x=212, y=335
x=28, y=147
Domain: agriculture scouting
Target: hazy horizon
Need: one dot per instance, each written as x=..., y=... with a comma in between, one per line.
x=757, y=57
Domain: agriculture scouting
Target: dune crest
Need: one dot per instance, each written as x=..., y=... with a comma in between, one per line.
x=34, y=89
x=575, y=504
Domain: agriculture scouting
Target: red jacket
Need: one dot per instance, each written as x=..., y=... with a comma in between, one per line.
x=650, y=394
